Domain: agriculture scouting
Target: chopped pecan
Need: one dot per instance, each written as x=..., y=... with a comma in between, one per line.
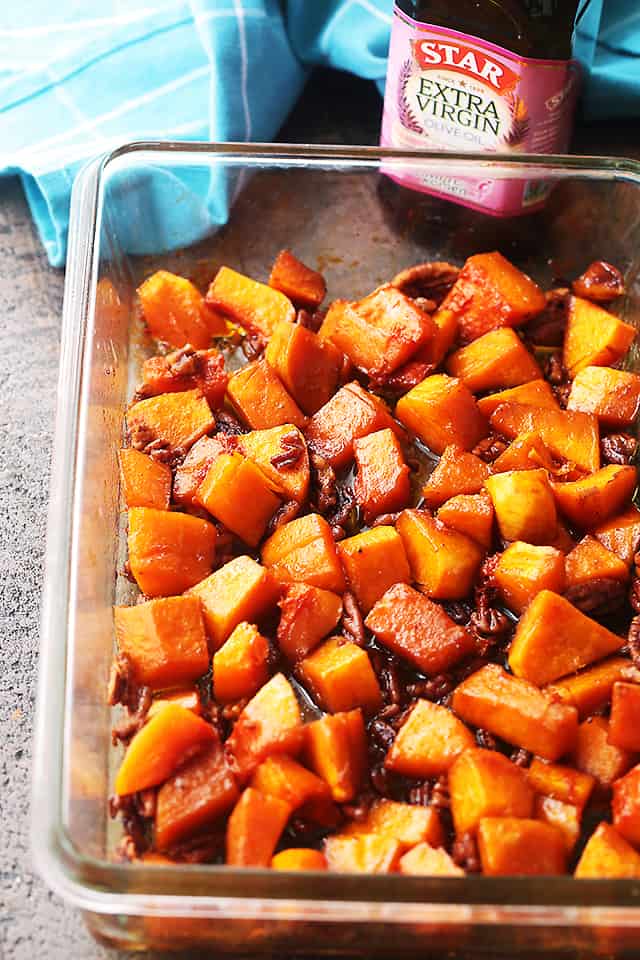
x=490, y=448
x=434, y=689
x=633, y=641
x=385, y=520
x=440, y=793
x=123, y=687
x=352, y=621
x=343, y=513
x=324, y=480
x=129, y=726
x=619, y=448
x=634, y=592
x=287, y=511
x=312, y=321
x=486, y=739
x=431, y=280
x=407, y=376
x=420, y=794
x=253, y=345
x=382, y=735
x=390, y=682
x=459, y=611
x=292, y=448
x=554, y=370
x=227, y=423
x=465, y=853
x=184, y=362
x=547, y=328
x=599, y=597
x=601, y=282
x=521, y=757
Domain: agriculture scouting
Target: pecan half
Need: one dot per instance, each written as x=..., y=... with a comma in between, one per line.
x=324, y=481
x=601, y=282
x=618, y=448
x=287, y=511
x=547, y=328
x=227, y=423
x=490, y=448
x=597, y=598
x=431, y=280
x=465, y=853
x=292, y=446
x=352, y=620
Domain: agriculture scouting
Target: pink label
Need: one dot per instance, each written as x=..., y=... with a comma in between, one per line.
x=449, y=91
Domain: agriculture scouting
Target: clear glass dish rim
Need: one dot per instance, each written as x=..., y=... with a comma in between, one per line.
x=103, y=887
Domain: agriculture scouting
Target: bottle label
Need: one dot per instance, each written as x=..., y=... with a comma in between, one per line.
x=450, y=91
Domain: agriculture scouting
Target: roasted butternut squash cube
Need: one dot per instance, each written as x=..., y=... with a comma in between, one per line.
x=160, y=746
x=416, y=628
x=254, y=828
x=607, y=854
x=302, y=285
x=524, y=505
x=561, y=782
x=363, y=853
x=511, y=846
x=590, y=689
x=240, y=590
x=440, y=411
x=299, y=858
x=145, y=482
x=382, y=481
x=626, y=806
x=240, y=666
x=253, y=305
x=471, y=515
x=524, y=569
x=443, y=561
x=307, y=616
x=612, y=395
x=285, y=778
x=405, y=822
x=496, y=360
x=281, y=453
x=428, y=742
x=535, y=652
x=596, y=756
x=526, y=452
x=621, y=535
x=427, y=861
x=186, y=369
x=624, y=723
x=517, y=711
x=568, y=434
x=537, y=393
x=175, y=312
x=195, y=466
x=594, y=499
x=589, y=560
x=340, y=677
x=308, y=366
x=257, y=395
x=491, y=292
x=304, y=550
x=169, y=552
x=351, y=413
x=437, y=347
x=457, y=472
x=373, y=561
x=594, y=337
x=164, y=639
x=270, y=724
x=201, y=792
x=484, y=783
x=177, y=420
x=188, y=698
x=336, y=748
x=237, y=492
x=565, y=817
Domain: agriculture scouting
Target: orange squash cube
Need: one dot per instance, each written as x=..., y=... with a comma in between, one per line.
x=302, y=285
x=594, y=754
x=405, y=822
x=607, y=854
x=373, y=561
x=496, y=360
x=195, y=466
x=621, y=535
x=594, y=337
x=186, y=369
x=145, y=482
x=590, y=689
x=517, y=711
x=175, y=312
x=271, y=723
x=443, y=561
x=253, y=305
x=471, y=515
x=304, y=550
x=535, y=652
x=240, y=666
x=624, y=723
x=440, y=411
x=254, y=828
x=565, y=817
x=382, y=481
x=626, y=806
x=437, y=347
x=164, y=639
x=176, y=419
x=561, y=782
x=340, y=677
x=363, y=853
x=258, y=397
x=568, y=434
x=263, y=447
x=537, y=393
x=524, y=569
x=299, y=858
x=510, y=846
x=427, y=861
x=526, y=452
x=188, y=698
x=336, y=748
x=201, y=792
x=612, y=395
x=169, y=552
x=428, y=742
x=307, y=616
x=484, y=783
x=237, y=492
x=285, y=778
x=351, y=413
x=457, y=472
x=240, y=590
x=524, y=505
x=589, y=560
x=593, y=500
x=308, y=366
x=416, y=628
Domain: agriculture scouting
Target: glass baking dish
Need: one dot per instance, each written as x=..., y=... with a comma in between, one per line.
x=336, y=209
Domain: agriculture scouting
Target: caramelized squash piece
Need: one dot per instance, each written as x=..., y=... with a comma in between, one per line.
x=568, y=434
x=340, y=677
x=443, y=562
x=442, y=410
x=624, y=723
x=607, y=854
x=526, y=452
x=561, y=782
x=565, y=817
x=428, y=743
x=281, y=454
x=307, y=616
x=535, y=652
x=589, y=561
x=437, y=347
x=308, y=366
x=188, y=698
x=145, y=482
x=524, y=569
x=240, y=590
x=524, y=505
x=351, y=413
x=484, y=783
x=537, y=393
x=202, y=791
x=427, y=861
x=336, y=748
x=177, y=420
x=285, y=778
x=257, y=395
x=253, y=305
x=382, y=481
x=363, y=853
x=254, y=828
x=166, y=741
x=195, y=466
x=175, y=312
x=302, y=285
x=457, y=472
x=621, y=535
x=496, y=360
x=594, y=754
x=590, y=689
x=405, y=822
x=240, y=666
x=164, y=639
x=169, y=552
x=594, y=337
x=186, y=369
x=612, y=395
x=373, y=561
x=271, y=723
x=299, y=858
x=510, y=846
x=595, y=499
x=517, y=711
x=471, y=515
x=416, y=628
x=304, y=550
x=237, y=492
x=626, y=805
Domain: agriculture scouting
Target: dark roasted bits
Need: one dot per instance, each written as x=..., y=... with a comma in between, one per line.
x=618, y=448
